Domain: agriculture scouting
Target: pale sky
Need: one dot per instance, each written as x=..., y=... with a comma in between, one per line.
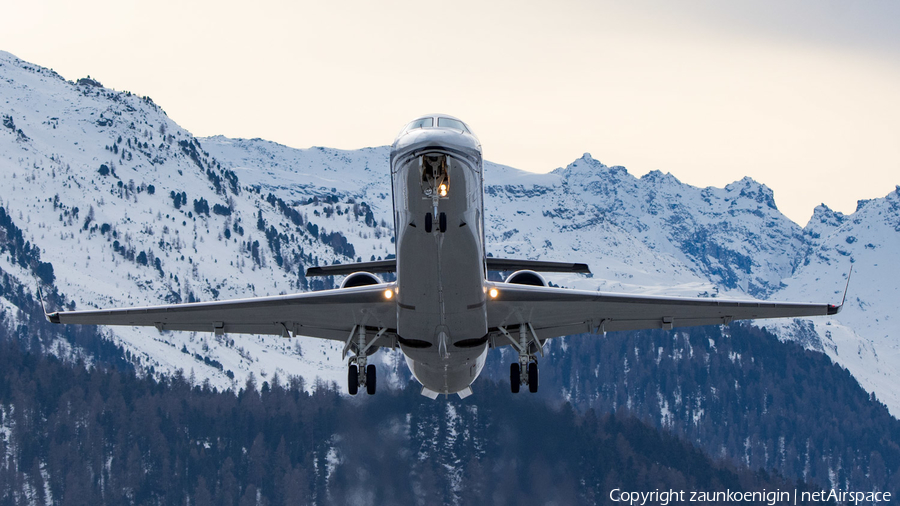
x=801, y=95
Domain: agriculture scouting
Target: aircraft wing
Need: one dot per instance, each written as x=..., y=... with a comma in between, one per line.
x=327, y=314
x=554, y=312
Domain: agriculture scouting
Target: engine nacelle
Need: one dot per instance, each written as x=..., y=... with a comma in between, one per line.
x=360, y=278
x=526, y=277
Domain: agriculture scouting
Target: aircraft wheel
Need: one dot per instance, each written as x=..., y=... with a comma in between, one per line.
x=514, y=377
x=370, y=379
x=353, y=379
x=532, y=377
x=443, y=222
x=428, y=219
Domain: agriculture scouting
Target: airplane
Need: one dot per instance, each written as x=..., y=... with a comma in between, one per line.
x=442, y=311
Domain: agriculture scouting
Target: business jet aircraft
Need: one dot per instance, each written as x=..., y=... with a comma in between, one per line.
x=442, y=312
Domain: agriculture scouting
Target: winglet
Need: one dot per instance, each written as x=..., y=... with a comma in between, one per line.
x=51, y=317
x=832, y=309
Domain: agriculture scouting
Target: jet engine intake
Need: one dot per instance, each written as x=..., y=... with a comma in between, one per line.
x=526, y=277
x=361, y=278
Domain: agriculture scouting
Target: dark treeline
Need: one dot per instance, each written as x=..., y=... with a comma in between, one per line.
x=98, y=435
x=740, y=393
x=33, y=332
x=22, y=252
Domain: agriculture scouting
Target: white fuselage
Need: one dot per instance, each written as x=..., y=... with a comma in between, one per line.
x=441, y=312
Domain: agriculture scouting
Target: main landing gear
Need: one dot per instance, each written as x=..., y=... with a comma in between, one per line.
x=525, y=371
x=367, y=379
x=527, y=376
x=361, y=373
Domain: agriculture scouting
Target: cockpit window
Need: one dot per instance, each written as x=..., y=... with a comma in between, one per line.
x=452, y=123
x=420, y=123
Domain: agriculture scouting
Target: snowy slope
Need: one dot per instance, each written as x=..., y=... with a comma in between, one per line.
x=865, y=336
x=659, y=230
x=93, y=228
x=652, y=234
x=657, y=235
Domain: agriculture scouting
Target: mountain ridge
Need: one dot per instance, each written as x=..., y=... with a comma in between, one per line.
x=651, y=234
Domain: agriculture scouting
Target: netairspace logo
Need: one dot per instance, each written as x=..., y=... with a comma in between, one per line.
x=771, y=498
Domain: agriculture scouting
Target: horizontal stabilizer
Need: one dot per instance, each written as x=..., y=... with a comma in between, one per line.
x=431, y=394
x=505, y=264
x=344, y=269
x=493, y=264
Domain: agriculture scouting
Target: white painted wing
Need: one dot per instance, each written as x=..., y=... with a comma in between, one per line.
x=328, y=314
x=555, y=312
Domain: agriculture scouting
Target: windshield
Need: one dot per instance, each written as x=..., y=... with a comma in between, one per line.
x=419, y=123
x=452, y=123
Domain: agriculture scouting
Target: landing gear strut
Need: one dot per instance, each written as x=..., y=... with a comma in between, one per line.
x=525, y=371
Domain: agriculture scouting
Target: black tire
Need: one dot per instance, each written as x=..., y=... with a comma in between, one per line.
x=353, y=379
x=370, y=379
x=532, y=377
x=428, y=220
x=442, y=221
x=514, y=377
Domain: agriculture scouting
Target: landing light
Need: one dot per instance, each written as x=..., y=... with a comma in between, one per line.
x=388, y=293
x=443, y=190
x=493, y=292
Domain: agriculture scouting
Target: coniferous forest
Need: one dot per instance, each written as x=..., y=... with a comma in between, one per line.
x=76, y=434
x=737, y=392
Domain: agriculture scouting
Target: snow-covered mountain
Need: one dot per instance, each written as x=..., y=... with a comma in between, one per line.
x=129, y=208
x=865, y=336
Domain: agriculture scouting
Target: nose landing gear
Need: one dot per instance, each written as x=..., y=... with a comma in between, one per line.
x=429, y=222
